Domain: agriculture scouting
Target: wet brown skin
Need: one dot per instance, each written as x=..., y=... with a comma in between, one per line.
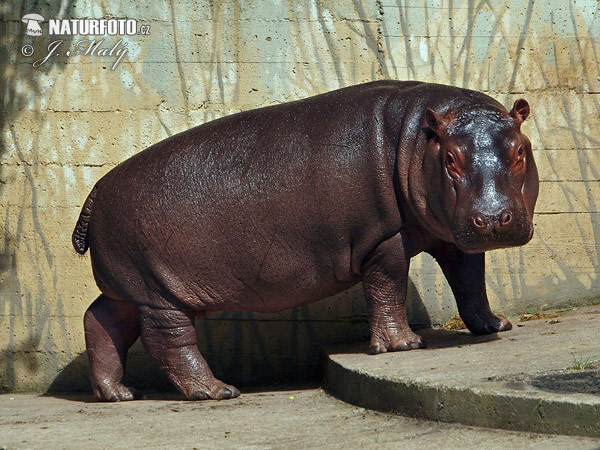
x=285, y=205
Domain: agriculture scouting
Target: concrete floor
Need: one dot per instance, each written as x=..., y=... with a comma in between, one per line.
x=293, y=418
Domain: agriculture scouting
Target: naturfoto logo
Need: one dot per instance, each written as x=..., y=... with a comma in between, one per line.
x=93, y=27
x=84, y=27
x=33, y=24
x=88, y=46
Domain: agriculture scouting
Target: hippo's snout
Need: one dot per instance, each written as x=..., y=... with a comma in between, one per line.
x=484, y=231
x=492, y=225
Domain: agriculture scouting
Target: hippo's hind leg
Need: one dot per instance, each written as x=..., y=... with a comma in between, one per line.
x=465, y=273
x=170, y=337
x=111, y=327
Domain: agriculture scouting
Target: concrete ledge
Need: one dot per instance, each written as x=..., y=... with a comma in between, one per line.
x=523, y=379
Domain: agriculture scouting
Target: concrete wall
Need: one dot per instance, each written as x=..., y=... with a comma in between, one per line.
x=67, y=122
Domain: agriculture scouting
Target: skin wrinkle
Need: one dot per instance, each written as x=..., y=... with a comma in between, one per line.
x=277, y=207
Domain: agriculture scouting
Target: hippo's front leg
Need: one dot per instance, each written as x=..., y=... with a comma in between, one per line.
x=384, y=276
x=465, y=273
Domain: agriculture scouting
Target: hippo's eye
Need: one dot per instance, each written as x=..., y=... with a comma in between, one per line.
x=520, y=159
x=451, y=165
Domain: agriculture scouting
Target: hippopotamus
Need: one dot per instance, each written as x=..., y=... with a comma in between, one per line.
x=280, y=206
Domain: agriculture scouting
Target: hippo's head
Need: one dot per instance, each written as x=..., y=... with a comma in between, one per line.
x=489, y=178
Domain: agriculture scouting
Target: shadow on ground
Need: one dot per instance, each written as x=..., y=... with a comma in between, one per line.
x=434, y=338
x=585, y=382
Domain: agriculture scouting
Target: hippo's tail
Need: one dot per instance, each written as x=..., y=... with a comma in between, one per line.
x=80, y=233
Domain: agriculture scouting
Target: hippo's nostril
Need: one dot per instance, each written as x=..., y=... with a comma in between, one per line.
x=505, y=218
x=479, y=221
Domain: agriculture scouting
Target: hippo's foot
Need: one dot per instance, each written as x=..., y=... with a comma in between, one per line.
x=485, y=322
x=111, y=327
x=170, y=337
x=110, y=391
x=215, y=390
x=393, y=340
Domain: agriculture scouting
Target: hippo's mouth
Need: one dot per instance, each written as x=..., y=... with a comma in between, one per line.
x=469, y=241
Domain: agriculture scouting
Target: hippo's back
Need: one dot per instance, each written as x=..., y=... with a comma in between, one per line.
x=269, y=203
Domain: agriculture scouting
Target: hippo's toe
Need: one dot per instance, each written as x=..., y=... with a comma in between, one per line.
x=397, y=344
x=505, y=324
x=115, y=392
x=486, y=323
x=230, y=392
x=199, y=395
x=216, y=391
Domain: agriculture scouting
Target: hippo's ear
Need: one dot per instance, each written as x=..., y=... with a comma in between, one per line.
x=520, y=110
x=437, y=123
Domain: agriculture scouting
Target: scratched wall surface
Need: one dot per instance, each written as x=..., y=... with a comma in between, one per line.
x=70, y=120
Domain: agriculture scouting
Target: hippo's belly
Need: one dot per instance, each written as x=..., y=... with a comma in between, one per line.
x=255, y=272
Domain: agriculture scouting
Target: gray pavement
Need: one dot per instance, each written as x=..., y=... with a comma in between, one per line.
x=307, y=418
x=529, y=378
x=542, y=376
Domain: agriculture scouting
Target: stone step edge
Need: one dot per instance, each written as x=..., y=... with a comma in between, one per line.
x=467, y=406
